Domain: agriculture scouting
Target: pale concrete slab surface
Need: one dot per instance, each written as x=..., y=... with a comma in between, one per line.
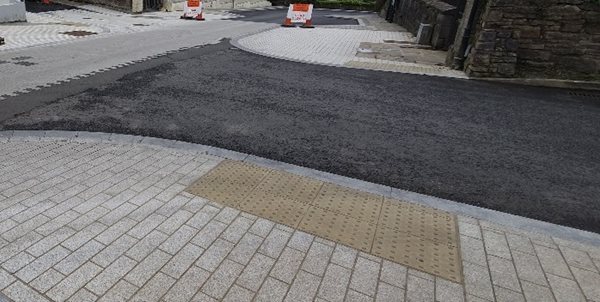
x=344, y=46
x=85, y=220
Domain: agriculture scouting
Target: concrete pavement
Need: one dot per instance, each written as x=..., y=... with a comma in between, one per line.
x=104, y=217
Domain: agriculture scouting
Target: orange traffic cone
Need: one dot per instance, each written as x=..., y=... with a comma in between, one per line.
x=200, y=16
x=287, y=23
x=307, y=24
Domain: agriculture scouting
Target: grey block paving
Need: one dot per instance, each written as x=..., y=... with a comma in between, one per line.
x=118, y=227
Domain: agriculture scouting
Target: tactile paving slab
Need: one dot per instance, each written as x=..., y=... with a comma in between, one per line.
x=417, y=236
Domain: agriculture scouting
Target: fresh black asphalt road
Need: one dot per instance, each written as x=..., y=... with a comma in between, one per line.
x=529, y=151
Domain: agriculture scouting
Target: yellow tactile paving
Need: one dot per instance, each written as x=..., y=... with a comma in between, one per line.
x=340, y=228
x=432, y=257
x=414, y=235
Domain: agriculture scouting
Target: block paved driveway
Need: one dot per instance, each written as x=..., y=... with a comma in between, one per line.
x=84, y=220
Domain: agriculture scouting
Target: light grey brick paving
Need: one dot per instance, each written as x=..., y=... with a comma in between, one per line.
x=114, y=251
x=83, y=295
x=272, y=290
x=506, y=295
x=389, y=293
x=182, y=261
x=469, y=229
x=589, y=283
x=473, y=250
x=238, y=294
x=145, y=246
x=220, y=281
x=146, y=226
x=17, y=262
x=19, y=292
x=503, y=273
x=195, y=204
x=287, y=265
x=115, y=231
x=147, y=268
x=155, y=288
x=47, y=280
x=170, y=192
x=41, y=264
x=213, y=256
x=255, y=272
x=146, y=209
x=83, y=236
x=394, y=274
x=209, y=234
x=552, y=261
x=92, y=195
x=111, y=275
x=48, y=242
x=419, y=289
x=534, y=292
x=528, y=268
x=520, y=243
x=178, y=239
x=335, y=282
x=245, y=249
x=344, y=256
x=87, y=219
x=365, y=276
x=448, y=291
x=477, y=281
x=72, y=283
x=495, y=244
x=121, y=292
x=118, y=213
x=274, y=243
x=237, y=229
x=565, y=289
x=5, y=279
x=262, y=227
x=174, y=222
x=578, y=259
x=187, y=286
x=80, y=256
x=304, y=288
x=25, y=227
x=317, y=258
x=354, y=296
x=173, y=205
x=227, y=215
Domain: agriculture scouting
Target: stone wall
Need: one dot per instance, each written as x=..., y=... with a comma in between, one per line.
x=124, y=5
x=12, y=11
x=557, y=39
x=440, y=15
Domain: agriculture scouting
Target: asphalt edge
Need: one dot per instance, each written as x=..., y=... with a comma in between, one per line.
x=496, y=217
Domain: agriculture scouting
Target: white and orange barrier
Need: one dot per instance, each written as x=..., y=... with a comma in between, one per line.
x=299, y=13
x=193, y=9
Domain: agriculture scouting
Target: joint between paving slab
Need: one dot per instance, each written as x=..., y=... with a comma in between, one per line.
x=504, y=219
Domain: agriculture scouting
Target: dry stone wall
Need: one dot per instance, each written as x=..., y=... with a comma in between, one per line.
x=557, y=39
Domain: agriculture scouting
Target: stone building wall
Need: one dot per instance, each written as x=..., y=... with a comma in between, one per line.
x=557, y=39
x=441, y=16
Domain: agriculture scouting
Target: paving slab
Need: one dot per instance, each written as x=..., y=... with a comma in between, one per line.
x=230, y=255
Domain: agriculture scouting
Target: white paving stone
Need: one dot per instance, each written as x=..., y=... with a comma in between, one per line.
x=203, y=251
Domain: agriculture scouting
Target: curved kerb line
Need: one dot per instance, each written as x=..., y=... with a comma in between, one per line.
x=500, y=218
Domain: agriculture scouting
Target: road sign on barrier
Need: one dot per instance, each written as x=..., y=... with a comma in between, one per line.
x=299, y=13
x=193, y=9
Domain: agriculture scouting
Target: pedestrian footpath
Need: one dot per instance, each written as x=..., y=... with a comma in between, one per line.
x=107, y=217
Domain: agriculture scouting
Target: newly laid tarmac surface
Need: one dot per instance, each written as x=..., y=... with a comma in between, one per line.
x=523, y=150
